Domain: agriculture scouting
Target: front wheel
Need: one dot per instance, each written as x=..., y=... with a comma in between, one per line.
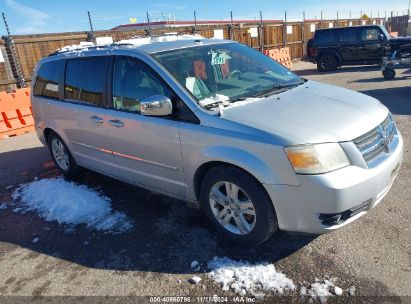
x=327, y=63
x=388, y=74
x=238, y=206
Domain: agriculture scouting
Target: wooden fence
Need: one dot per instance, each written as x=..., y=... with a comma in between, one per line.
x=31, y=48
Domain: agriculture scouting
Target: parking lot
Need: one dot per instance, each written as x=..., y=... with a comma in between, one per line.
x=373, y=254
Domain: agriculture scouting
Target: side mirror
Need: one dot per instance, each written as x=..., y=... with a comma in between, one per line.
x=156, y=105
x=381, y=37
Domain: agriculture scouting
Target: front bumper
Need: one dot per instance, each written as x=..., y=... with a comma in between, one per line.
x=350, y=191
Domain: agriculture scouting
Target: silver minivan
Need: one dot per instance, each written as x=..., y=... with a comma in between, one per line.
x=218, y=123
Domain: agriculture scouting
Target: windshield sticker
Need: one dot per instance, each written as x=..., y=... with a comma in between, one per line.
x=218, y=58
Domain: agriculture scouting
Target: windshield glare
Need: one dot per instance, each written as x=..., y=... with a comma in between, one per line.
x=226, y=73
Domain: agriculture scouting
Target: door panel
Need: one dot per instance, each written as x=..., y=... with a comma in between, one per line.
x=348, y=43
x=371, y=48
x=90, y=140
x=146, y=149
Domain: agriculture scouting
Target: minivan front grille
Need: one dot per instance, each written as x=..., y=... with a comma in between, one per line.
x=377, y=144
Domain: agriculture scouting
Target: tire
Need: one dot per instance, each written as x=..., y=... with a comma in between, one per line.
x=61, y=155
x=327, y=63
x=215, y=202
x=389, y=74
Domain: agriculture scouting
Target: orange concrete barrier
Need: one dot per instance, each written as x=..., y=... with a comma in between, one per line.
x=15, y=113
x=282, y=56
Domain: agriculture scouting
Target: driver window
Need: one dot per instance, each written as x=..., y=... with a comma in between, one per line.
x=370, y=34
x=133, y=81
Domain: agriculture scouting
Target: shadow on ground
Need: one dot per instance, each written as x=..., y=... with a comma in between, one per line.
x=397, y=100
x=345, y=69
x=167, y=235
x=22, y=165
x=401, y=75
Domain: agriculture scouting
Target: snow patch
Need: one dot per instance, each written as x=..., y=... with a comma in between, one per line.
x=351, y=291
x=55, y=199
x=36, y=240
x=195, y=280
x=246, y=278
x=3, y=206
x=321, y=290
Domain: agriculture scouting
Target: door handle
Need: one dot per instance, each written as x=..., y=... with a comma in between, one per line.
x=96, y=119
x=116, y=123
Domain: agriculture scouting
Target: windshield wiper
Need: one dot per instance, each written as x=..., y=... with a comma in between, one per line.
x=278, y=88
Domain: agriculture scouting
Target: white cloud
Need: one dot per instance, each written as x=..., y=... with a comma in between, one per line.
x=34, y=18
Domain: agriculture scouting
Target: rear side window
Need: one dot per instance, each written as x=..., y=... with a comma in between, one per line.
x=371, y=34
x=348, y=35
x=48, y=79
x=86, y=79
x=322, y=37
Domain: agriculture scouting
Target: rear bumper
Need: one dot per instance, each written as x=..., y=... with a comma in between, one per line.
x=323, y=203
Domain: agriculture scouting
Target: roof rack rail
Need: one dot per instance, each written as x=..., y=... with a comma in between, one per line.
x=133, y=41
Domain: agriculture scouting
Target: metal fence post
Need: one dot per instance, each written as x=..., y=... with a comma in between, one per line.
x=261, y=33
x=230, y=27
x=195, y=23
x=21, y=83
x=90, y=35
x=337, y=25
x=321, y=20
x=285, y=30
x=148, y=29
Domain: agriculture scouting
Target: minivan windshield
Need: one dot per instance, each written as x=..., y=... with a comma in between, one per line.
x=226, y=73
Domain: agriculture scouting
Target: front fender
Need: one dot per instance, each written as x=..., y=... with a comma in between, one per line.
x=243, y=159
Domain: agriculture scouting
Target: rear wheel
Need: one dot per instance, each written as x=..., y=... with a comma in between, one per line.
x=238, y=206
x=61, y=155
x=389, y=74
x=327, y=62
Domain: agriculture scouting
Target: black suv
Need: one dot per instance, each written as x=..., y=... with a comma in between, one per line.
x=334, y=47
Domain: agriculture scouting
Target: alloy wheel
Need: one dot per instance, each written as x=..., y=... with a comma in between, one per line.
x=60, y=154
x=232, y=208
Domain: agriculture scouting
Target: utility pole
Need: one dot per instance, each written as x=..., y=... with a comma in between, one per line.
x=10, y=43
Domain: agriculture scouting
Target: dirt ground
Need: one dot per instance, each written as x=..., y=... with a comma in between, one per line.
x=372, y=254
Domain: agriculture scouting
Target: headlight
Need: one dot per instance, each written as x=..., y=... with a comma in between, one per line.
x=317, y=159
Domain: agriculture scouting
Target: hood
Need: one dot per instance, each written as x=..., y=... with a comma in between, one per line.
x=311, y=113
x=400, y=41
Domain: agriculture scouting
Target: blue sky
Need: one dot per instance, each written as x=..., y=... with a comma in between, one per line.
x=40, y=16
